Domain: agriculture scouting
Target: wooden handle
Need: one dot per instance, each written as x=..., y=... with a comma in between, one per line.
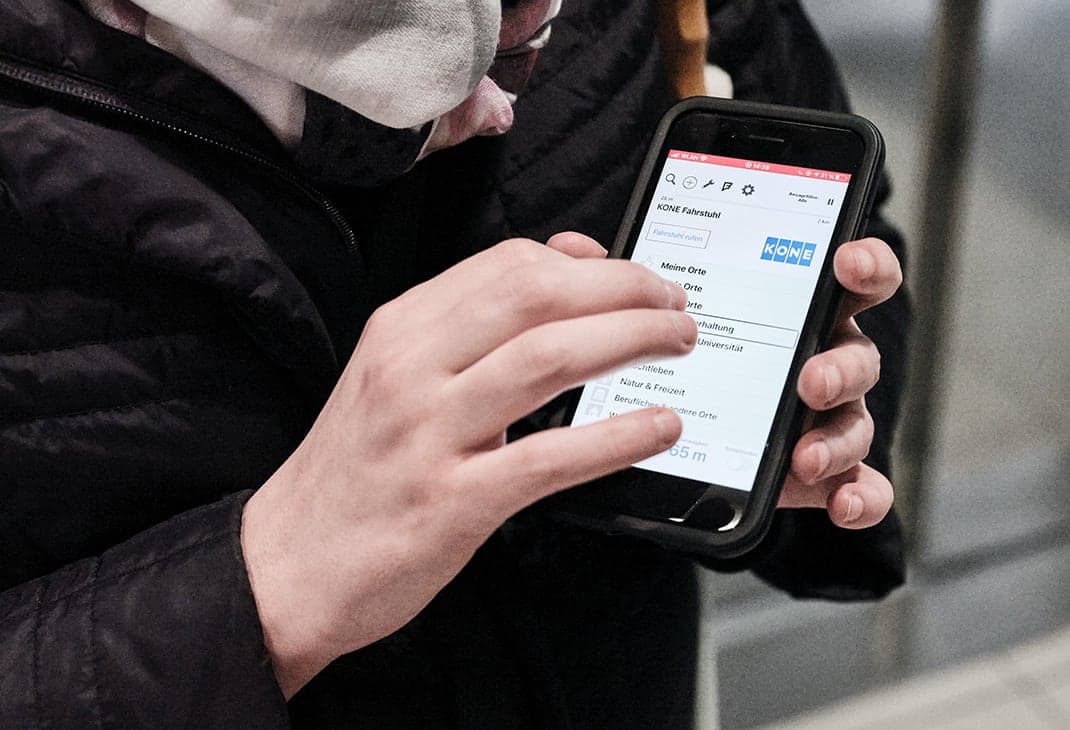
x=684, y=32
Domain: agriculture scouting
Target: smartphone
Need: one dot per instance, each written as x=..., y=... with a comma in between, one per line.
x=743, y=205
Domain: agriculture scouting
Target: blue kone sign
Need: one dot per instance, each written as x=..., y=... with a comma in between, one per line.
x=784, y=250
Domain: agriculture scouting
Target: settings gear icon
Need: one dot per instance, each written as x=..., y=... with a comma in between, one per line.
x=748, y=190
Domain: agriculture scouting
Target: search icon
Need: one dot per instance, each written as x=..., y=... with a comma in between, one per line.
x=670, y=178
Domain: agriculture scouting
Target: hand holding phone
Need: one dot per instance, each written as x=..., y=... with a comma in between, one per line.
x=744, y=206
x=825, y=470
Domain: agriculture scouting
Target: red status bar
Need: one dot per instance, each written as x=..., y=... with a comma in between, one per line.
x=793, y=170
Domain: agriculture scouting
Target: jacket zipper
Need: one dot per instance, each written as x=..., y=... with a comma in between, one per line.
x=99, y=96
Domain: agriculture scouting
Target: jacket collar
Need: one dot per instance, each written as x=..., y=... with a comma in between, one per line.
x=59, y=36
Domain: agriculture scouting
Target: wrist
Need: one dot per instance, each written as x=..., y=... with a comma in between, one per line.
x=295, y=625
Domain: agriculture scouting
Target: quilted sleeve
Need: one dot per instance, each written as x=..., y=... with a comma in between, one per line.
x=160, y=631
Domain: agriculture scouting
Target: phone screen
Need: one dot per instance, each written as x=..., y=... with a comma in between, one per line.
x=747, y=240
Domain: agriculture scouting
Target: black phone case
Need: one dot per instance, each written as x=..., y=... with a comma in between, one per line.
x=758, y=514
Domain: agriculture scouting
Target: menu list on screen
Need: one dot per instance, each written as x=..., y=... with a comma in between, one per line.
x=747, y=241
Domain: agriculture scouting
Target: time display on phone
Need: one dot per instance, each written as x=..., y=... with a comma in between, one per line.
x=747, y=240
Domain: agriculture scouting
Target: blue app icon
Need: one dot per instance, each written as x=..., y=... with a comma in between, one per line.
x=795, y=252
x=769, y=249
x=787, y=251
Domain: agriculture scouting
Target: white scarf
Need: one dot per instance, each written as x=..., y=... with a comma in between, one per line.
x=397, y=63
x=401, y=63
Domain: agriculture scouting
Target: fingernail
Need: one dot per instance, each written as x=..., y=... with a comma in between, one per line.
x=685, y=327
x=865, y=264
x=833, y=384
x=854, y=509
x=677, y=295
x=665, y=426
x=824, y=458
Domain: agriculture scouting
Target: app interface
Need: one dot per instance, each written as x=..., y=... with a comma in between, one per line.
x=747, y=241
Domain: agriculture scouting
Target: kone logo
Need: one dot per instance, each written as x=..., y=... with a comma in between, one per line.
x=787, y=251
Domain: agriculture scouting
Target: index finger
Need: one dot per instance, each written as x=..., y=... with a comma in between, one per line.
x=870, y=272
x=576, y=245
x=468, y=311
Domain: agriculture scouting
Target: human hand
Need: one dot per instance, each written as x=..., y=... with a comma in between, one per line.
x=826, y=469
x=406, y=471
x=833, y=384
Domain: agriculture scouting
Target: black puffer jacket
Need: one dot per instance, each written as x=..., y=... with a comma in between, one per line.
x=175, y=304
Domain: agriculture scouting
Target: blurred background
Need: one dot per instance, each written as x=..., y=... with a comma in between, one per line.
x=974, y=101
